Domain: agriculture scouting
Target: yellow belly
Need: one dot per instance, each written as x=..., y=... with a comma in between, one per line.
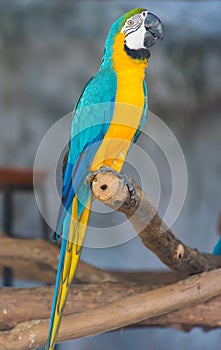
x=129, y=104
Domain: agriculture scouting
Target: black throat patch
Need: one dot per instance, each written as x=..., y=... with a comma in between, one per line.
x=140, y=54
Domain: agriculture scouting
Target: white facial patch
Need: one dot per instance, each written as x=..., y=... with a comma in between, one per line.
x=134, y=31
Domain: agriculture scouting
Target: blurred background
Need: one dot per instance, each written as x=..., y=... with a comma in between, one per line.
x=48, y=51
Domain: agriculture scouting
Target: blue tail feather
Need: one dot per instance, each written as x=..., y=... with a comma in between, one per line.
x=56, y=288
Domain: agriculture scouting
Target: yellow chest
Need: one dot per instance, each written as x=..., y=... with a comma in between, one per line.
x=129, y=104
x=130, y=88
x=130, y=74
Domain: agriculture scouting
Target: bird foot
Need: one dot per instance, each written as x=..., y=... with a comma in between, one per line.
x=123, y=177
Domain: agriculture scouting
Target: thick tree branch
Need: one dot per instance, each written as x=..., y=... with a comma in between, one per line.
x=20, y=305
x=126, y=310
x=153, y=232
x=36, y=260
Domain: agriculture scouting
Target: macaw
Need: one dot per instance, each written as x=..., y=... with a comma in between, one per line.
x=108, y=117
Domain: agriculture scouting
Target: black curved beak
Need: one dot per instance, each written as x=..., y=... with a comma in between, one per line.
x=154, y=30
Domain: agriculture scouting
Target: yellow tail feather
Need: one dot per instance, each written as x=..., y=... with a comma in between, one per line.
x=72, y=255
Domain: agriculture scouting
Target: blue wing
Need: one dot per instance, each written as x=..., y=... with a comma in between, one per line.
x=91, y=119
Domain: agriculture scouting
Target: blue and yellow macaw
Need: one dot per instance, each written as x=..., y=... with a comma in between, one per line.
x=108, y=117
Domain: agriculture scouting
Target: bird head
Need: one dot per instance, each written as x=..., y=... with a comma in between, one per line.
x=140, y=30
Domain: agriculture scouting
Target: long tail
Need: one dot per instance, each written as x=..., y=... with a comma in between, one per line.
x=69, y=257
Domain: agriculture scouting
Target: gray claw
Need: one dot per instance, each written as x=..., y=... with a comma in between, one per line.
x=90, y=177
x=131, y=189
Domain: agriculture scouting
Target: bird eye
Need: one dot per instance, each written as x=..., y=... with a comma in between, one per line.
x=130, y=22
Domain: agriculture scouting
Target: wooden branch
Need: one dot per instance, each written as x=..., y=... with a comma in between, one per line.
x=128, y=310
x=36, y=260
x=30, y=259
x=153, y=232
x=27, y=304
x=20, y=305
